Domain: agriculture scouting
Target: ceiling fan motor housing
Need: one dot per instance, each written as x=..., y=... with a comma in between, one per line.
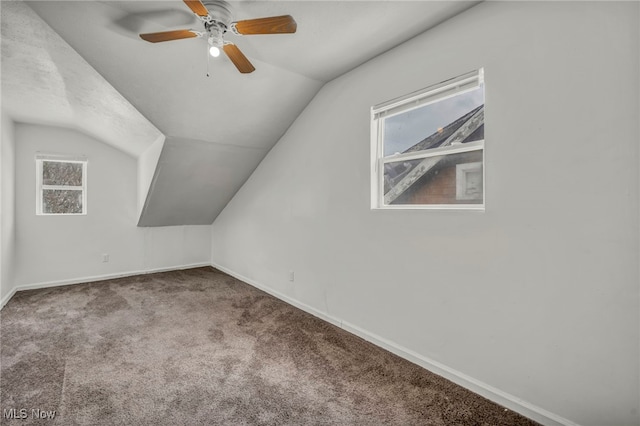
x=217, y=22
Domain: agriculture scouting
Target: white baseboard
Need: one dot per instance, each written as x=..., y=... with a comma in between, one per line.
x=316, y=313
x=95, y=278
x=505, y=399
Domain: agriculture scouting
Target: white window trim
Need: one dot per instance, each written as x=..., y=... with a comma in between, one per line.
x=431, y=94
x=41, y=187
x=435, y=152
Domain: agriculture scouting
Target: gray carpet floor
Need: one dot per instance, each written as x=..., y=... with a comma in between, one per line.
x=200, y=347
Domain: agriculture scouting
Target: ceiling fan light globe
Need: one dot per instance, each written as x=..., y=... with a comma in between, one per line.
x=214, y=51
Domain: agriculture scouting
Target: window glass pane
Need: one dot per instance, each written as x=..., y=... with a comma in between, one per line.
x=58, y=173
x=429, y=126
x=444, y=179
x=61, y=201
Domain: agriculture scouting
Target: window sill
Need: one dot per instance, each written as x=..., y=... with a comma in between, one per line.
x=465, y=207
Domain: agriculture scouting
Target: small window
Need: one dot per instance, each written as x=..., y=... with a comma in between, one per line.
x=428, y=147
x=62, y=186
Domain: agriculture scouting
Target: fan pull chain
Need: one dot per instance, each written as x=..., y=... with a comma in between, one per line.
x=207, y=52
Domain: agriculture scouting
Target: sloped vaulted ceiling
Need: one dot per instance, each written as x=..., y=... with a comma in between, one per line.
x=218, y=128
x=45, y=81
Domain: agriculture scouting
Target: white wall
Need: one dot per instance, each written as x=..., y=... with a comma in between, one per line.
x=7, y=208
x=51, y=249
x=147, y=163
x=535, y=299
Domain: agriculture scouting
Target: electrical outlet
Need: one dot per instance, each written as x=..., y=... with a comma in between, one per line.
x=105, y=258
x=291, y=276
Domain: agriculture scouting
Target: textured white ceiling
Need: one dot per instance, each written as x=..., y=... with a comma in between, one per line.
x=218, y=127
x=45, y=81
x=167, y=82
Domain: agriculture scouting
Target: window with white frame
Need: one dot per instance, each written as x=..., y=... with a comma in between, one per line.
x=427, y=148
x=61, y=185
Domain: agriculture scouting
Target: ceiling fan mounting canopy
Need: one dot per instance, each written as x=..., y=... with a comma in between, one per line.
x=219, y=13
x=217, y=18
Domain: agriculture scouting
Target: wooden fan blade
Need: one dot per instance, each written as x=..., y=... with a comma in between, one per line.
x=273, y=25
x=237, y=57
x=197, y=7
x=168, y=35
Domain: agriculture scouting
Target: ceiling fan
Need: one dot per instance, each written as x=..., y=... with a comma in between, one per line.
x=216, y=17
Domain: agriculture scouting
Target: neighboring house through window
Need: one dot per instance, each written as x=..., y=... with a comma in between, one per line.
x=428, y=147
x=61, y=185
